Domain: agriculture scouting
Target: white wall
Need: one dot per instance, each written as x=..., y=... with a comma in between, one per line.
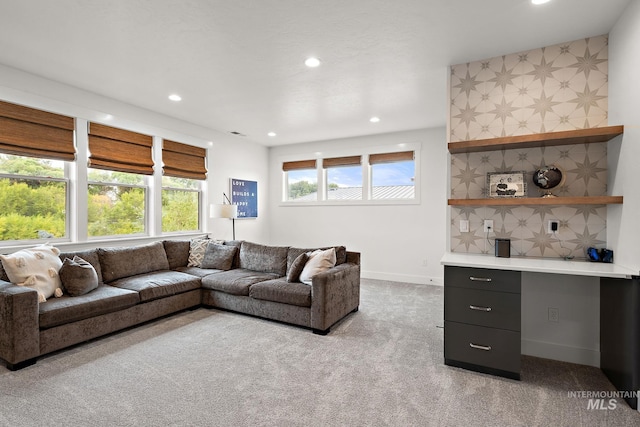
x=623, y=226
x=228, y=156
x=394, y=240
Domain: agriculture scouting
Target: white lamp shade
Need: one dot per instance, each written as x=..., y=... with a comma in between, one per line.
x=223, y=211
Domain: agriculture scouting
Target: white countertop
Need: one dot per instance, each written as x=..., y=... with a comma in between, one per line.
x=538, y=265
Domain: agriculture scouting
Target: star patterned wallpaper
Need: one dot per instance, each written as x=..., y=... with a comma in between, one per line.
x=556, y=88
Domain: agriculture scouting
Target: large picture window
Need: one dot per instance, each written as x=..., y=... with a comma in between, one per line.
x=33, y=198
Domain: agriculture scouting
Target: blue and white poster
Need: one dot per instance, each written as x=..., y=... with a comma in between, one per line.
x=245, y=194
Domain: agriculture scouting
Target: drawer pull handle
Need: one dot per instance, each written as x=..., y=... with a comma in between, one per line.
x=479, y=279
x=478, y=308
x=480, y=347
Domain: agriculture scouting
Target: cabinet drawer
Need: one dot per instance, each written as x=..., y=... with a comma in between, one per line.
x=484, y=308
x=478, y=345
x=482, y=278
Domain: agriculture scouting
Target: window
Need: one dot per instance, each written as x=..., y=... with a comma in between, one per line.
x=184, y=169
x=392, y=175
x=116, y=203
x=34, y=146
x=301, y=179
x=343, y=178
x=119, y=160
x=180, y=204
x=33, y=198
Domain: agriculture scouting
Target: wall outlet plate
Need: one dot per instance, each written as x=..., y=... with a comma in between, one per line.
x=553, y=225
x=488, y=225
x=464, y=225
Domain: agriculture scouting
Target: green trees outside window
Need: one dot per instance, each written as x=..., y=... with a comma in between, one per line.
x=180, y=204
x=33, y=198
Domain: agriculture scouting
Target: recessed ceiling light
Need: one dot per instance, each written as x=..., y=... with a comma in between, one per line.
x=540, y=1
x=175, y=97
x=374, y=119
x=271, y=134
x=312, y=62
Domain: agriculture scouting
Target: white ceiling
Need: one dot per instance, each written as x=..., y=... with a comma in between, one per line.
x=238, y=64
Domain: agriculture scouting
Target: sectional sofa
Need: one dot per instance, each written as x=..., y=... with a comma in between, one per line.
x=140, y=283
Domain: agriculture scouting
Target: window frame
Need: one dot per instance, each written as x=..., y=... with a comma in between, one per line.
x=367, y=187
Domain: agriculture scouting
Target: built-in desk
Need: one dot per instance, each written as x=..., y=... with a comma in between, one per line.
x=481, y=322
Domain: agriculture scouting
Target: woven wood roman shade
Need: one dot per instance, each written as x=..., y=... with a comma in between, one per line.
x=183, y=161
x=298, y=165
x=29, y=132
x=120, y=150
x=375, y=159
x=342, y=161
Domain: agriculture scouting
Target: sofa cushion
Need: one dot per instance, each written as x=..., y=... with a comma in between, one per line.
x=36, y=268
x=296, y=268
x=319, y=261
x=158, y=284
x=265, y=259
x=117, y=263
x=197, y=271
x=341, y=254
x=237, y=244
x=78, y=276
x=236, y=281
x=177, y=252
x=91, y=256
x=280, y=290
x=67, y=309
x=219, y=257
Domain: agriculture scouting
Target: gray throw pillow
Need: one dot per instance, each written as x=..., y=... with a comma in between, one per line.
x=218, y=256
x=296, y=267
x=78, y=276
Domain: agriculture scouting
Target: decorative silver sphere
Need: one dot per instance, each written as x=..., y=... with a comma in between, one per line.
x=547, y=178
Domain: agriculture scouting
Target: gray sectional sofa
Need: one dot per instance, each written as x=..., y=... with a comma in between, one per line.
x=140, y=283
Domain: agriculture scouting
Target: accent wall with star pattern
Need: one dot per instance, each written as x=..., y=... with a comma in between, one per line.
x=555, y=88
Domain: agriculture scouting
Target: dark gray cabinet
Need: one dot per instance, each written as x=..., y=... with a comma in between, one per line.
x=482, y=320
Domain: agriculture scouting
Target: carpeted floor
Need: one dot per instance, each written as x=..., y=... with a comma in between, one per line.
x=381, y=366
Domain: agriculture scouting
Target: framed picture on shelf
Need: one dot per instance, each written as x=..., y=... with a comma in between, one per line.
x=245, y=194
x=506, y=184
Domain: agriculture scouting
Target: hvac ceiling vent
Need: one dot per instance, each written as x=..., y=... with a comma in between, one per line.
x=233, y=132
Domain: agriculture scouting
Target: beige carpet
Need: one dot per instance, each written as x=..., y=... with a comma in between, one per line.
x=381, y=366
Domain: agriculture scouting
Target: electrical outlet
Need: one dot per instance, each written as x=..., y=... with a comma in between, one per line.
x=488, y=225
x=553, y=314
x=552, y=226
x=424, y=262
x=464, y=225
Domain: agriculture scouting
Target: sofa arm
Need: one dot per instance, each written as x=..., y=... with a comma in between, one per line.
x=19, y=326
x=334, y=294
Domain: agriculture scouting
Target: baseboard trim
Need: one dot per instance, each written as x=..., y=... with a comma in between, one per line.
x=548, y=350
x=406, y=278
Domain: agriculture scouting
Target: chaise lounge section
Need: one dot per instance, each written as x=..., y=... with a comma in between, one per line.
x=145, y=282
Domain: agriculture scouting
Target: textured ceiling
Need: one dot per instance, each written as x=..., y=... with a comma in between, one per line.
x=238, y=64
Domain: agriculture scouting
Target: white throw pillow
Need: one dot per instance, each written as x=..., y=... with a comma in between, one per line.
x=36, y=268
x=197, y=247
x=318, y=262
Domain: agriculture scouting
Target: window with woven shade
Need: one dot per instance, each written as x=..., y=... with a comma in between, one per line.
x=184, y=168
x=119, y=160
x=392, y=175
x=301, y=177
x=343, y=177
x=34, y=146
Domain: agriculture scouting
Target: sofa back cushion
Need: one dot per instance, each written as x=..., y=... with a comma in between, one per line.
x=265, y=259
x=177, y=252
x=117, y=263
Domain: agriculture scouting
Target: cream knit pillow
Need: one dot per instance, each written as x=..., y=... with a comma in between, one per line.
x=36, y=268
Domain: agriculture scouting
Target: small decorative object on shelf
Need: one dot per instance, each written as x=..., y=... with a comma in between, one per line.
x=548, y=178
x=506, y=184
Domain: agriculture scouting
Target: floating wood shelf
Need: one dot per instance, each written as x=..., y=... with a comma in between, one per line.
x=580, y=136
x=522, y=201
